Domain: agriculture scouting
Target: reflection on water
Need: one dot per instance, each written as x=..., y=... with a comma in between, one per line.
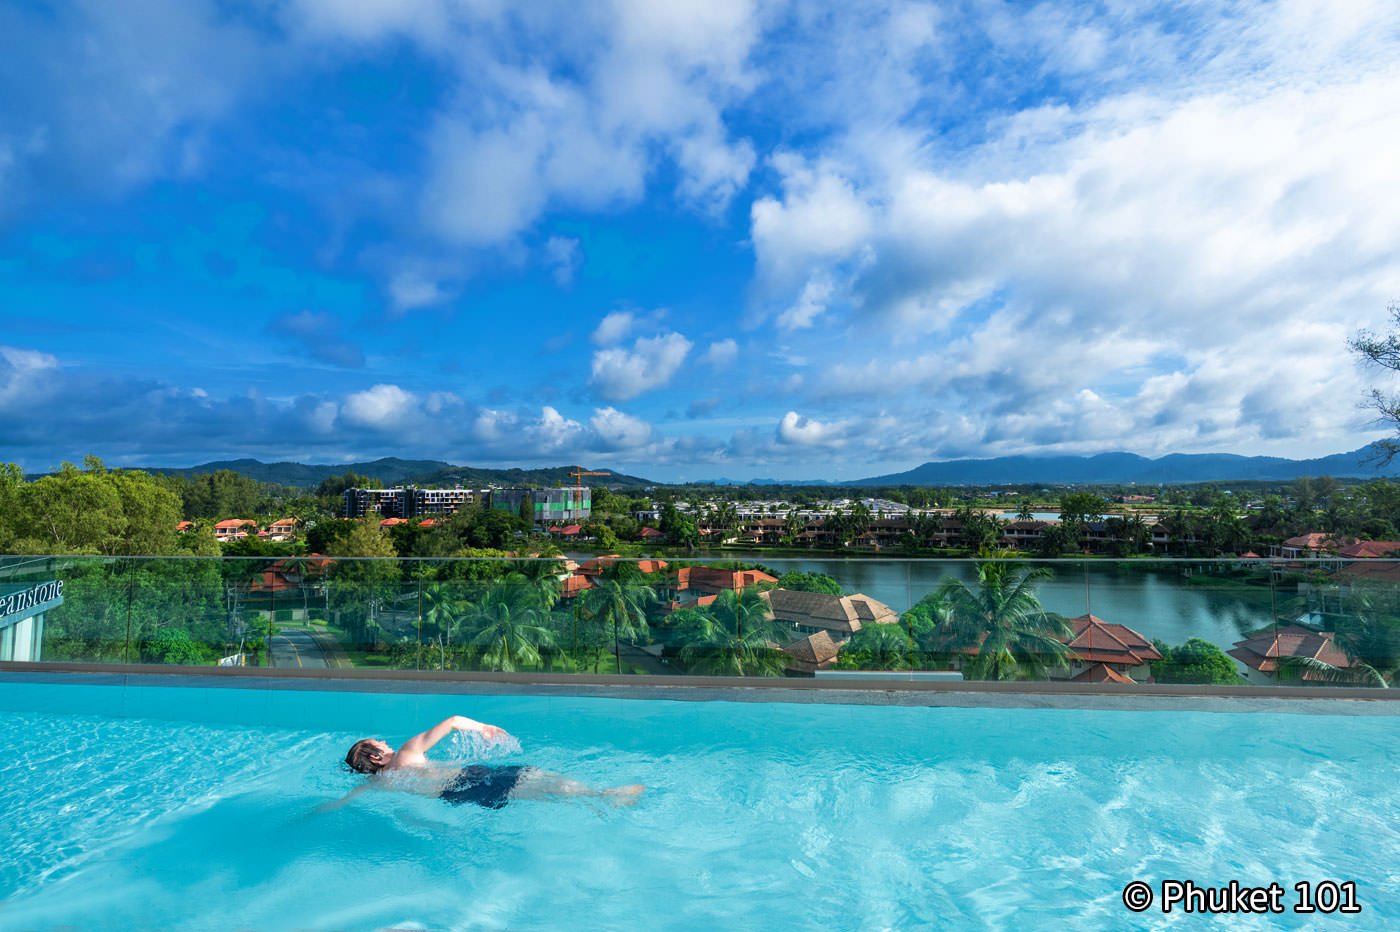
x=1158, y=601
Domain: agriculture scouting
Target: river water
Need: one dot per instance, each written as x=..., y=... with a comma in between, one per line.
x=1156, y=600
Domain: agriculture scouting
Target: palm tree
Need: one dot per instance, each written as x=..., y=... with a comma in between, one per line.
x=509, y=625
x=735, y=636
x=621, y=602
x=1003, y=621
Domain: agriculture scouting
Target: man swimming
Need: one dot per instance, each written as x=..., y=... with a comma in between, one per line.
x=408, y=768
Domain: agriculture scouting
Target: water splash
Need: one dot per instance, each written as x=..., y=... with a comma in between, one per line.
x=471, y=745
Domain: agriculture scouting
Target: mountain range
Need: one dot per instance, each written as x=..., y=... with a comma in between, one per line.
x=392, y=471
x=1125, y=468
x=1100, y=469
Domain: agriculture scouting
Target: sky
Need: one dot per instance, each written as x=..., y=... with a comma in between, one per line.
x=693, y=239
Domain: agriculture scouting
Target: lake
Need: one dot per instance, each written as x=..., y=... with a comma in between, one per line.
x=1154, y=599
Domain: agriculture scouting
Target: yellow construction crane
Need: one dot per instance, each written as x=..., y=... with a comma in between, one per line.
x=578, y=473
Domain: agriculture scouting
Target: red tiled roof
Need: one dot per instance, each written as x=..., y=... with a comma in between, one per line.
x=1097, y=641
x=596, y=566
x=1378, y=570
x=651, y=566
x=1263, y=651
x=1371, y=549
x=1316, y=541
x=649, y=532
x=236, y=523
x=570, y=529
x=573, y=585
x=1102, y=673
x=184, y=525
x=392, y=522
x=428, y=522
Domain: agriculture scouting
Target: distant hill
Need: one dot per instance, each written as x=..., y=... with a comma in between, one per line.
x=1124, y=468
x=393, y=471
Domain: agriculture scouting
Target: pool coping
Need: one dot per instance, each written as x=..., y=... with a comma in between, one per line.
x=891, y=690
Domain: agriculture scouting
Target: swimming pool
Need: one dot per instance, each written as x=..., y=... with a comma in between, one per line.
x=162, y=807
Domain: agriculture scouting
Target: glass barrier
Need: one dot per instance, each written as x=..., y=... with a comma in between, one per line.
x=1312, y=622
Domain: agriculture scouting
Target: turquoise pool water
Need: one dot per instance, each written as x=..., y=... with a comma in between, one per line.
x=152, y=807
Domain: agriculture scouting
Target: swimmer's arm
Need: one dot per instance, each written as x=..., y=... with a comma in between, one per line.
x=337, y=803
x=419, y=744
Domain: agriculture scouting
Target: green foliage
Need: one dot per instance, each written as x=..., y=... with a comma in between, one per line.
x=680, y=529
x=90, y=510
x=173, y=645
x=809, y=582
x=877, y=647
x=1081, y=507
x=333, y=487
x=1196, y=661
x=733, y=636
x=1002, y=619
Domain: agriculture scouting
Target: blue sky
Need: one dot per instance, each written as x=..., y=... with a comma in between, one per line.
x=691, y=239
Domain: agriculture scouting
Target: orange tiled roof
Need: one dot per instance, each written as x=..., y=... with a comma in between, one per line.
x=1097, y=641
x=1102, y=673
x=1262, y=652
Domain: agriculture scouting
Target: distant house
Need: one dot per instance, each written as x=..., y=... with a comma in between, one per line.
x=566, y=531
x=283, y=529
x=573, y=586
x=234, y=529
x=709, y=580
x=1310, y=546
x=811, y=653
x=391, y=522
x=1124, y=653
x=650, y=533
x=185, y=526
x=1370, y=549
x=839, y=616
x=1263, y=652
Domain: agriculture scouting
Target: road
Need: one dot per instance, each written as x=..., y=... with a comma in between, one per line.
x=293, y=647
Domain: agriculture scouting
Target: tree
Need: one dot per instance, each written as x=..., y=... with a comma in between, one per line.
x=679, y=528
x=172, y=645
x=809, y=582
x=620, y=603
x=1196, y=661
x=1003, y=621
x=734, y=636
x=1081, y=507
x=877, y=647
x=508, y=627
x=980, y=531
x=359, y=586
x=1382, y=351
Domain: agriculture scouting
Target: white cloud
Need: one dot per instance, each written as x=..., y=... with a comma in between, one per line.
x=563, y=256
x=585, y=131
x=382, y=407
x=721, y=353
x=553, y=431
x=614, y=328
x=619, y=431
x=620, y=374
x=411, y=288
x=810, y=305
x=807, y=432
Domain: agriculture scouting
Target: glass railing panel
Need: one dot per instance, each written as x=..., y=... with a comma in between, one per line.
x=1317, y=622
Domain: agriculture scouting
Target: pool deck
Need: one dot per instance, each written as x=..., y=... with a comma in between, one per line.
x=893, y=689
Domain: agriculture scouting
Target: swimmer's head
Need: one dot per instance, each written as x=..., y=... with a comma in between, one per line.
x=368, y=756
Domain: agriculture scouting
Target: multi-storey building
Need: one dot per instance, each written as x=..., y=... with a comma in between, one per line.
x=387, y=503
x=546, y=506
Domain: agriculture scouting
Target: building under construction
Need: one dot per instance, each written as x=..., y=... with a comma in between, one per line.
x=545, y=506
